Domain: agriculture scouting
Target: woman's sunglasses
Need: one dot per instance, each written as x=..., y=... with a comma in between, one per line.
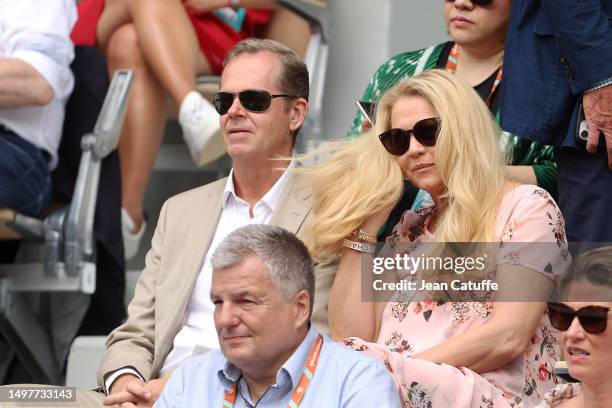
x=397, y=141
x=593, y=319
x=253, y=100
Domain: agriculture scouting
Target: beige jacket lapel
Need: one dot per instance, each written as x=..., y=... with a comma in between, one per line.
x=293, y=205
x=293, y=212
x=290, y=213
x=205, y=211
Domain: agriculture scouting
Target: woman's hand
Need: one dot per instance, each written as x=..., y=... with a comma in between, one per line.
x=508, y=332
x=349, y=315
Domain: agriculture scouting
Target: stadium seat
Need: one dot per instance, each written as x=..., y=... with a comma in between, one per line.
x=56, y=254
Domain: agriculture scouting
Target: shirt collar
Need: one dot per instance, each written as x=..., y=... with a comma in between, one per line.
x=270, y=198
x=296, y=363
x=230, y=374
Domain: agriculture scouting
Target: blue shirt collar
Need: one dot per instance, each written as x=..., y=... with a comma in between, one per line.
x=290, y=371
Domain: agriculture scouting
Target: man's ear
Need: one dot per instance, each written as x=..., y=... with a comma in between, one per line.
x=298, y=112
x=302, y=307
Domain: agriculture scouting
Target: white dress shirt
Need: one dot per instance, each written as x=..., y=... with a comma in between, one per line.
x=198, y=334
x=38, y=32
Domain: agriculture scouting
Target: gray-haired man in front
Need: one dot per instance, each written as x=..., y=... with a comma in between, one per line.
x=271, y=356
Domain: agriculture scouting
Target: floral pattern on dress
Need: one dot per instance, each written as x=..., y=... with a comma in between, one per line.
x=357, y=346
x=400, y=310
x=417, y=396
x=426, y=307
x=414, y=232
x=513, y=400
x=409, y=326
x=512, y=258
x=508, y=231
x=559, y=394
x=549, y=342
x=556, y=221
x=539, y=369
x=486, y=402
x=461, y=311
x=398, y=344
x=544, y=372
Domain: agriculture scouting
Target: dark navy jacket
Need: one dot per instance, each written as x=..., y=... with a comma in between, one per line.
x=555, y=50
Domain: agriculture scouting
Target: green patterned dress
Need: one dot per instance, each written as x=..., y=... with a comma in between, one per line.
x=521, y=151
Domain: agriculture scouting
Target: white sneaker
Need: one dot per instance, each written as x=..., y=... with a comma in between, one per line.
x=131, y=240
x=201, y=130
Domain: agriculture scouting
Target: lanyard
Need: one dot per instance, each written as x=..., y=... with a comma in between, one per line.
x=305, y=378
x=451, y=66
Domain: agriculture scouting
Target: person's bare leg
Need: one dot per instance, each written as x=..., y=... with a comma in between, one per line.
x=144, y=123
x=115, y=14
x=169, y=44
x=170, y=49
x=167, y=39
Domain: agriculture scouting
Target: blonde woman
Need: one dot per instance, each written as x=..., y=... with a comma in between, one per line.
x=437, y=132
x=477, y=30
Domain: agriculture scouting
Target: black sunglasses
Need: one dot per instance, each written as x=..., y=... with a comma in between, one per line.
x=482, y=2
x=593, y=319
x=397, y=141
x=253, y=100
x=479, y=2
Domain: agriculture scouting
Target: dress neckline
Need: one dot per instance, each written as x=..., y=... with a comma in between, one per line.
x=507, y=195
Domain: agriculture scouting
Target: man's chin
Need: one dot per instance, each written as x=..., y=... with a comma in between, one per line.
x=237, y=151
x=239, y=355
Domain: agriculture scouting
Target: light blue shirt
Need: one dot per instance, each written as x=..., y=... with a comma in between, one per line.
x=343, y=378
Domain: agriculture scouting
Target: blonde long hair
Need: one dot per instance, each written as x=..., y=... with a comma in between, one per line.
x=362, y=178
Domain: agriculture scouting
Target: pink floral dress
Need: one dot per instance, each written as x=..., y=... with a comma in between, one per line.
x=526, y=214
x=560, y=394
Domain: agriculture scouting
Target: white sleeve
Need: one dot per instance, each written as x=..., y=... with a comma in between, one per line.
x=108, y=382
x=38, y=32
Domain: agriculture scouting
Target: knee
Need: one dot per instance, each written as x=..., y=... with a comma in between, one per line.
x=152, y=8
x=124, y=48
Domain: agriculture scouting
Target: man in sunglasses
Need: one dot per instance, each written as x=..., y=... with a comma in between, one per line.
x=262, y=102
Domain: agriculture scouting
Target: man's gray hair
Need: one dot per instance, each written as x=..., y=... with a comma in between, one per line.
x=290, y=267
x=293, y=78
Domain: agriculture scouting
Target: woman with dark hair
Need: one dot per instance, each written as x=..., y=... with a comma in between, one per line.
x=585, y=322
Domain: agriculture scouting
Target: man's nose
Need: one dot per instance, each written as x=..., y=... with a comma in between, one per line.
x=226, y=316
x=464, y=4
x=236, y=107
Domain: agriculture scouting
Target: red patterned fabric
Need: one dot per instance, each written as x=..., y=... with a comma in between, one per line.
x=84, y=31
x=214, y=36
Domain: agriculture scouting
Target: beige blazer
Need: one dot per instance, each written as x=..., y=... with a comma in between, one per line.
x=184, y=232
